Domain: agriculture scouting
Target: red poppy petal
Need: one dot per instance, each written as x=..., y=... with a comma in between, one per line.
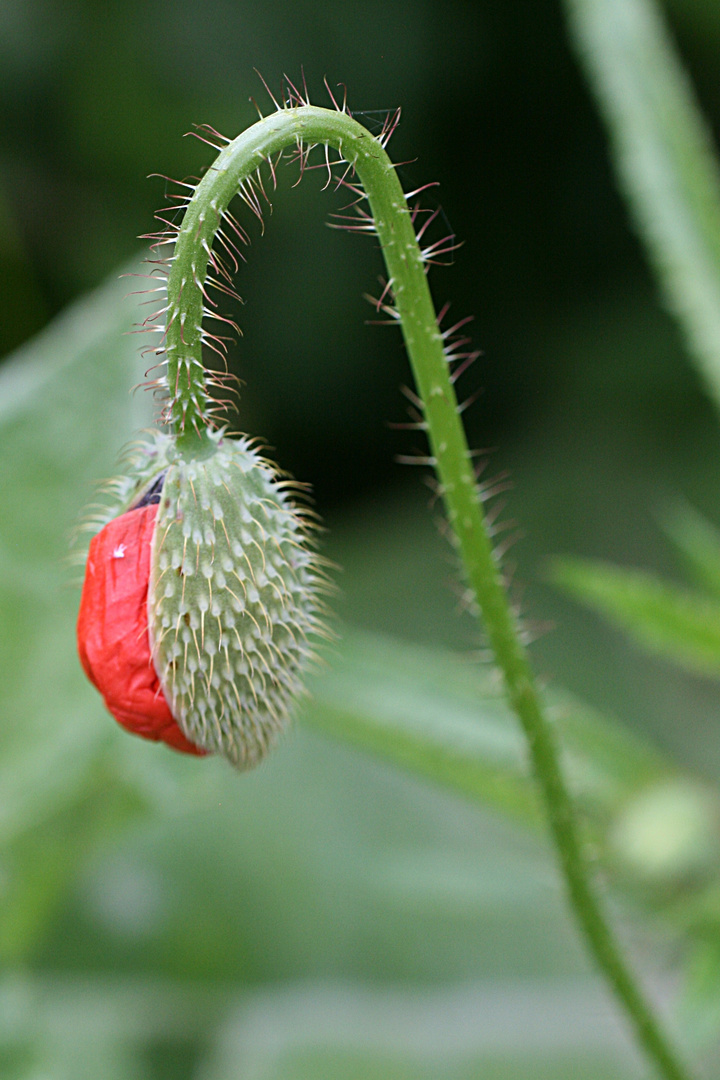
x=112, y=629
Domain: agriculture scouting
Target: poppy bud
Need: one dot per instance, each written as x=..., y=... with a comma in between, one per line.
x=112, y=629
x=197, y=608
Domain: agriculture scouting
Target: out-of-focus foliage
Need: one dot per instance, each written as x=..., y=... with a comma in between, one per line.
x=669, y=169
x=679, y=624
x=666, y=161
x=698, y=544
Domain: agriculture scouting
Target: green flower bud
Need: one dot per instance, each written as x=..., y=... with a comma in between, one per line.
x=233, y=591
x=233, y=600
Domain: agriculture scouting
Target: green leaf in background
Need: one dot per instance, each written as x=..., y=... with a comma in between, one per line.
x=440, y=715
x=682, y=626
x=665, y=159
x=390, y=1034
x=82, y=1029
x=698, y=542
x=436, y=714
x=63, y=404
x=700, y=1002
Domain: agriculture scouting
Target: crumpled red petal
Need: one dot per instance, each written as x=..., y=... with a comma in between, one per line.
x=112, y=629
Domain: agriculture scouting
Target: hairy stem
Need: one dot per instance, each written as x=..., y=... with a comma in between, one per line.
x=235, y=165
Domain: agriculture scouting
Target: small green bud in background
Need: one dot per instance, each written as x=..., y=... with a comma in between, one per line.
x=669, y=833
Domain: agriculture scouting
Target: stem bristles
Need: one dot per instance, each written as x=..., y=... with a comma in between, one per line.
x=356, y=160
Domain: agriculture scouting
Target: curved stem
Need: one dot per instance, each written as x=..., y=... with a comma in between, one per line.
x=306, y=126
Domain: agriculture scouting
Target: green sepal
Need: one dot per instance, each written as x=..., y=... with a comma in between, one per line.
x=233, y=600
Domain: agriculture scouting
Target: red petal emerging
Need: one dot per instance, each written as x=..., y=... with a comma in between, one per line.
x=112, y=629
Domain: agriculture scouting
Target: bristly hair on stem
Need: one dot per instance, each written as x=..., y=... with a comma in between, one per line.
x=193, y=395
x=203, y=252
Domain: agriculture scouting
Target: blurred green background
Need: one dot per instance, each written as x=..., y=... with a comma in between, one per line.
x=326, y=917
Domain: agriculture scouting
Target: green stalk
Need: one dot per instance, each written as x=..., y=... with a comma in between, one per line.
x=406, y=270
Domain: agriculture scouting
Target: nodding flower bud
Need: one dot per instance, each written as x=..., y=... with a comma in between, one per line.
x=199, y=601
